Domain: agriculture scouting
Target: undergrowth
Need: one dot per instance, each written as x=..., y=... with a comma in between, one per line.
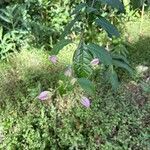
x=116, y=120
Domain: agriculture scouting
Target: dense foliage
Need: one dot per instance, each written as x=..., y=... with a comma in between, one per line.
x=56, y=60
x=40, y=23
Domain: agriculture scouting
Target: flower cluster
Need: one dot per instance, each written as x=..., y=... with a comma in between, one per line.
x=45, y=96
x=68, y=72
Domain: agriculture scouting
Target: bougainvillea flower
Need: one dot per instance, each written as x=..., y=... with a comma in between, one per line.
x=95, y=62
x=53, y=59
x=43, y=95
x=68, y=72
x=86, y=102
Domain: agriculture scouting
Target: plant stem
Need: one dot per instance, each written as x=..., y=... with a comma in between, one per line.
x=92, y=3
x=142, y=17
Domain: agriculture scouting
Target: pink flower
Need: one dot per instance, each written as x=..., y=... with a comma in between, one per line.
x=53, y=59
x=86, y=102
x=95, y=62
x=68, y=72
x=43, y=95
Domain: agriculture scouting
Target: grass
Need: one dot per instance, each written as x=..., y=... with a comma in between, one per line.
x=115, y=121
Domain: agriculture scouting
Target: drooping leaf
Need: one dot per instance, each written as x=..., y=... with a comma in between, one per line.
x=100, y=53
x=114, y=4
x=81, y=61
x=107, y=26
x=87, y=85
x=60, y=45
x=123, y=65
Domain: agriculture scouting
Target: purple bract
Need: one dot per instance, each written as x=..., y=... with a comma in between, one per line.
x=86, y=102
x=95, y=62
x=43, y=95
x=53, y=59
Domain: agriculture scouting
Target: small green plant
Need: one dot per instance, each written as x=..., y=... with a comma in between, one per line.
x=6, y=44
x=13, y=17
x=10, y=42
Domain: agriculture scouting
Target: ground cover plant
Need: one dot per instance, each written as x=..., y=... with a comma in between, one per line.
x=66, y=101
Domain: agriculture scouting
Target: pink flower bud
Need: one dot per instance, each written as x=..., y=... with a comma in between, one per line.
x=53, y=59
x=95, y=62
x=86, y=102
x=43, y=95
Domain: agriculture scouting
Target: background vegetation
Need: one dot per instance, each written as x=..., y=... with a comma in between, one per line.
x=118, y=118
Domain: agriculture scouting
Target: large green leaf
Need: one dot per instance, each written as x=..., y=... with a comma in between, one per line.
x=114, y=3
x=87, y=85
x=81, y=61
x=60, y=45
x=101, y=53
x=107, y=26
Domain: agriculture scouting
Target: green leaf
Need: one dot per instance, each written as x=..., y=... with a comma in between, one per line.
x=137, y=4
x=101, y=53
x=91, y=10
x=114, y=3
x=79, y=8
x=60, y=45
x=123, y=65
x=87, y=85
x=107, y=26
x=81, y=60
x=121, y=49
x=112, y=78
x=68, y=28
x=120, y=58
x=4, y=18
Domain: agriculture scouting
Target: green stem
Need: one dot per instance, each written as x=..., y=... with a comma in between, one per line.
x=92, y=3
x=142, y=17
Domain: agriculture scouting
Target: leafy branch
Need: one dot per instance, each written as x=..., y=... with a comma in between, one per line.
x=87, y=14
